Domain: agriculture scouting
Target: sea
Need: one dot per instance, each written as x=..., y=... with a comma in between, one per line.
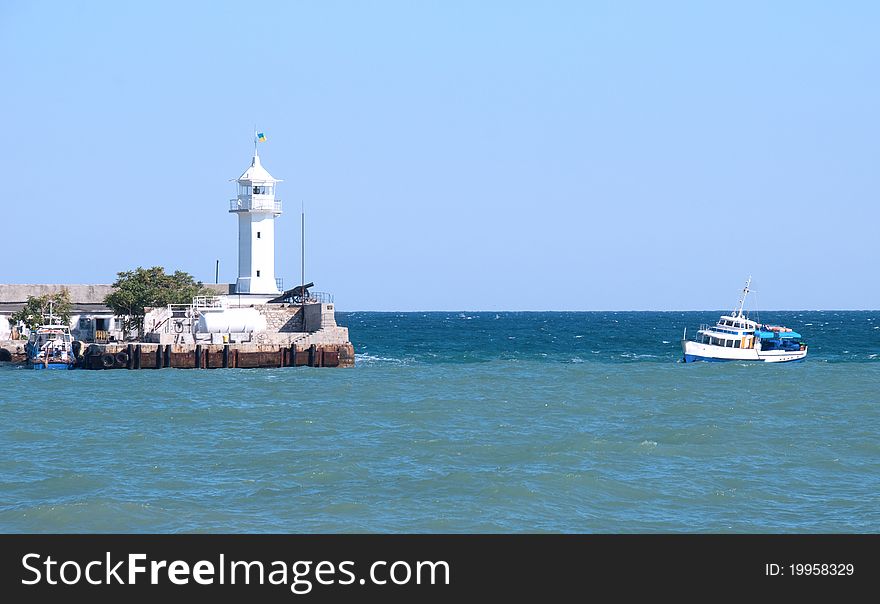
x=462, y=422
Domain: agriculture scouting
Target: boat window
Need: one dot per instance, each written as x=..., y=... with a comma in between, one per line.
x=729, y=343
x=736, y=344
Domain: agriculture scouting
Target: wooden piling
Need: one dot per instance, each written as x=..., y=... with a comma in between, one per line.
x=302, y=358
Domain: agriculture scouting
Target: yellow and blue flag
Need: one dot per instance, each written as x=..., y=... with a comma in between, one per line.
x=261, y=137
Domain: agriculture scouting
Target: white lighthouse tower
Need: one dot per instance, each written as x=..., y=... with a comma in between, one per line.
x=257, y=210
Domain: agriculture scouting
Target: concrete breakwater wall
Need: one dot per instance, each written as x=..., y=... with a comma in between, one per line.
x=214, y=356
x=203, y=356
x=12, y=351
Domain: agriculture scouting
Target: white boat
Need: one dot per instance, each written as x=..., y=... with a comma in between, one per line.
x=50, y=346
x=735, y=337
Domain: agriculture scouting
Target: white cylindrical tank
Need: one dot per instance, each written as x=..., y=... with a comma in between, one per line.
x=5, y=330
x=231, y=320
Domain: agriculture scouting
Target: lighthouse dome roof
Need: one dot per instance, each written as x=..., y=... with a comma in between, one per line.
x=256, y=172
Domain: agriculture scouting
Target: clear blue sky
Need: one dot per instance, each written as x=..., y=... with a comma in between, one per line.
x=455, y=155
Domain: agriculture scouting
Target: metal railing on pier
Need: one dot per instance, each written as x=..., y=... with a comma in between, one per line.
x=310, y=298
x=209, y=302
x=322, y=297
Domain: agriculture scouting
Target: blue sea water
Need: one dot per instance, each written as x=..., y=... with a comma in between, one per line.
x=462, y=422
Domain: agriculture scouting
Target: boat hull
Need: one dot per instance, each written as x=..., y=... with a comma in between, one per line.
x=41, y=365
x=695, y=351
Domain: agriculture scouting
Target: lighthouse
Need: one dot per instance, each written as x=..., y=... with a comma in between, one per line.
x=257, y=210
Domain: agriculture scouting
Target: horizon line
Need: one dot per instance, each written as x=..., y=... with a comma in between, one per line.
x=629, y=310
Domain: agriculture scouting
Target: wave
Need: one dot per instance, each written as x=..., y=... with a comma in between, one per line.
x=373, y=359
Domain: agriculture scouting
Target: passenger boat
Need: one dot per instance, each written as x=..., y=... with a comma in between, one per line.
x=735, y=337
x=50, y=346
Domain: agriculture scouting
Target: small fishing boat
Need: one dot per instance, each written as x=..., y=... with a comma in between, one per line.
x=50, y=346
x=735, y=337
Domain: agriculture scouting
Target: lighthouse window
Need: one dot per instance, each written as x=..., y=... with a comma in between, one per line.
x=258, y=273
x=258, y=234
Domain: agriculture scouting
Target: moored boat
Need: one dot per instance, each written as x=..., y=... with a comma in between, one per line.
x=50, y=346
x=735, y=337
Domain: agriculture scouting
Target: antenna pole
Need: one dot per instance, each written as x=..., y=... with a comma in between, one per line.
x=742, y=300
x=217, y=272
x=302, y=285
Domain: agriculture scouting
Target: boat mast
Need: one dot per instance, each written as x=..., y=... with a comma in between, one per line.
x=739, y=313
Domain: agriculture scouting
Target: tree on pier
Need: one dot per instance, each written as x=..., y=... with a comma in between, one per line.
x=150, y=287
x=36, y=309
